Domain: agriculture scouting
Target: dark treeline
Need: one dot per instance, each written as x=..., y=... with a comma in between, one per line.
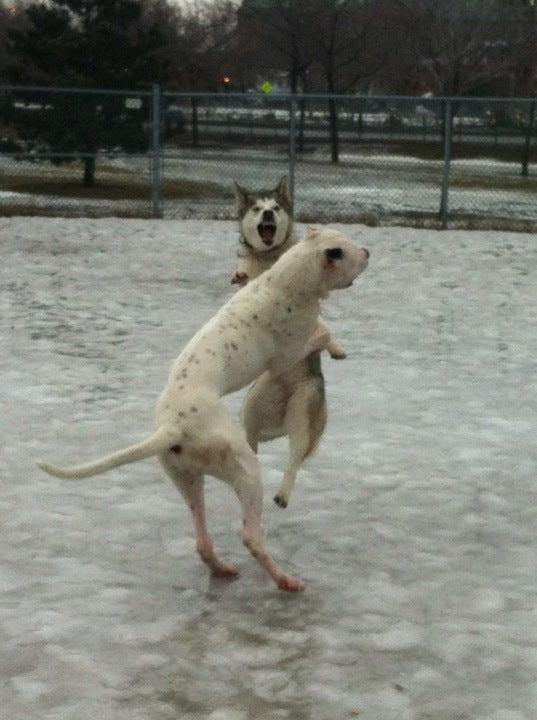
x=442, y=47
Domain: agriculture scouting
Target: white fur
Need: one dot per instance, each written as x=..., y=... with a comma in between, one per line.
x=252, y=333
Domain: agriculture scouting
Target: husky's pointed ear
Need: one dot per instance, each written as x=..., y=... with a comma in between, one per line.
x=282, y=191
x=241, y=197
x=313, y=231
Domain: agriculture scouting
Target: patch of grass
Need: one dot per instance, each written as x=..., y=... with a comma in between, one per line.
x=119, y=187
x=13, y=210
x=192, y=189
x=423, y=149
x=459, y=151
x=432, y=150
x=494, y=182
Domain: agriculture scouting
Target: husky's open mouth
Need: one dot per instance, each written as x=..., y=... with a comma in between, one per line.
x=267, y=231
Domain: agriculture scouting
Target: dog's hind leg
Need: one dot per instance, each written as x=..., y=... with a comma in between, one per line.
x=263, y=411
x=241, y=470
x=305, y=421
x=252, y=429
x=253, y=411
x=191, y=486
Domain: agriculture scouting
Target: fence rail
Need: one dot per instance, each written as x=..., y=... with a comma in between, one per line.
x=72, y=151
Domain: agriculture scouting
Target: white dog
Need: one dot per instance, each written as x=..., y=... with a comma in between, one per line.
x=253, y=332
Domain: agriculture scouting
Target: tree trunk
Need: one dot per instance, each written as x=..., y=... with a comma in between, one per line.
x=332, y=114
x=195, y=130
x=334, y=135
x=89, y=171
x=293, y=77
x=527, y=143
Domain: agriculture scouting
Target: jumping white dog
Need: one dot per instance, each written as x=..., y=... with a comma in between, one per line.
x=255, y=331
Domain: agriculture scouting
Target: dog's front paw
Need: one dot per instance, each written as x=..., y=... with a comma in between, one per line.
x=335, y=350
x=338, y=354
x=280, y=501
x=240, y=278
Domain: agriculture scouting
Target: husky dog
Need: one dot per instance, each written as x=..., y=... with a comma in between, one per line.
x=293, y=403
x=252, y=333
x=266, y=229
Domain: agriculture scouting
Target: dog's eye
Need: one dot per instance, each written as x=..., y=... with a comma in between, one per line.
x=334, y=253
x=276, y=208
x=256, y=208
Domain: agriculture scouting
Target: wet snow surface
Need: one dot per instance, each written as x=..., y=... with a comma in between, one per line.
x=414, y=526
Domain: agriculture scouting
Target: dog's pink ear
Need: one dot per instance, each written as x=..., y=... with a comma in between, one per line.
x=312, y=232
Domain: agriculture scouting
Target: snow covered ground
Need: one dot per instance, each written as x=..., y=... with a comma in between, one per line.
x=413, y=526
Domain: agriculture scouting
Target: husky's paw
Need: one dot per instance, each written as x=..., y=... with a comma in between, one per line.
x=240, y=278
x=338, y=354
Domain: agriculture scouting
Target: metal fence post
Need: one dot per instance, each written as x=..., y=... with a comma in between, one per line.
x=156, y=210
x=527, y=141
x=448, y=127
x=292, y=148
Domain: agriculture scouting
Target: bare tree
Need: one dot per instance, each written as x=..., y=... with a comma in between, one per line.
x=344, y=42
x=354, y=40
x=521, y=36
x=278, y=36
x=522, y=81
x=281, y=34
x=455, y=47
x=200, y=47
x=203, y=44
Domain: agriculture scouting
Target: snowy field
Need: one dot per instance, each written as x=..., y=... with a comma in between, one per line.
x=414, y=526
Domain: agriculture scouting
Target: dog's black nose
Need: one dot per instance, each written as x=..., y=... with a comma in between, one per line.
x=268, y=215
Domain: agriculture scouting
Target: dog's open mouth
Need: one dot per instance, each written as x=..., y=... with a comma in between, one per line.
x=267, y=231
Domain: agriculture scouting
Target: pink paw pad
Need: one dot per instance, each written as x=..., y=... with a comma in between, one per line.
x=290, y=584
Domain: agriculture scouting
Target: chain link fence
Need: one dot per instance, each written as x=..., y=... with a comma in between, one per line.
x=74, y=152
x=374, y=159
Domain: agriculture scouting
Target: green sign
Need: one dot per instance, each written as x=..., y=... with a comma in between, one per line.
x=266, y=87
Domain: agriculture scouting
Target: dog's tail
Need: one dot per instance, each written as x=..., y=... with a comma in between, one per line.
x=162, y=439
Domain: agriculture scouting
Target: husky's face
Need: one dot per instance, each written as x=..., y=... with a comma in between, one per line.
x=265, y=217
